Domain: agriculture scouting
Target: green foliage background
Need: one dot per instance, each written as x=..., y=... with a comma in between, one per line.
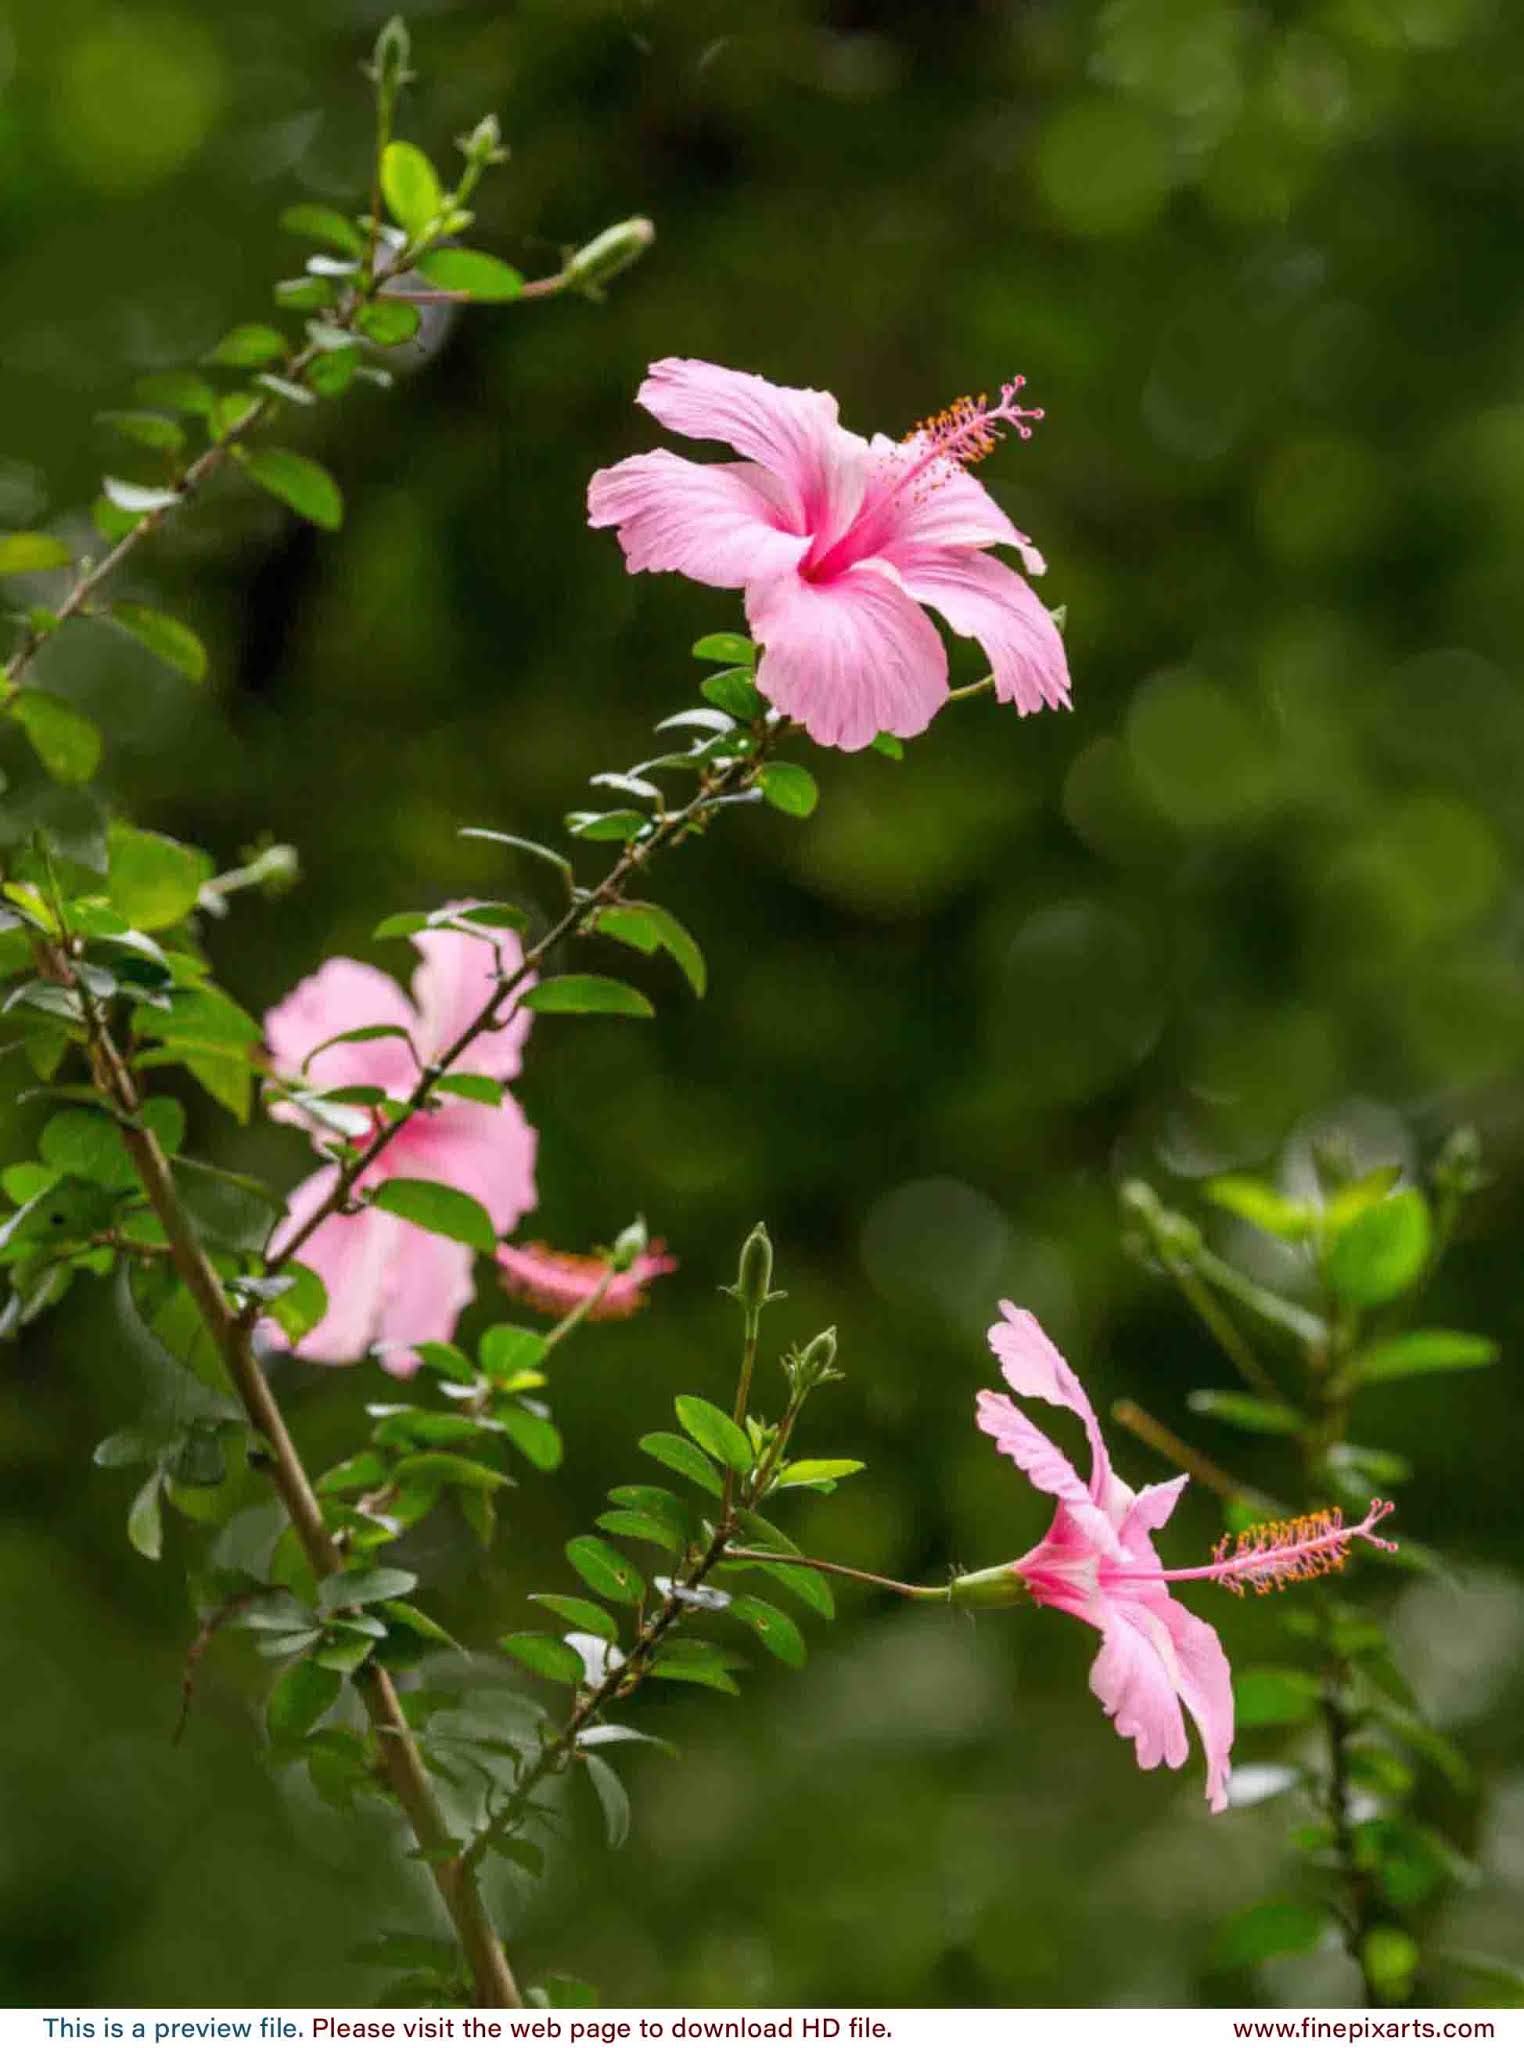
x=1259, y=264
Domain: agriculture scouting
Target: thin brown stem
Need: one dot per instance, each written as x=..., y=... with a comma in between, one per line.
x=838, y=1571
x=401, y=1762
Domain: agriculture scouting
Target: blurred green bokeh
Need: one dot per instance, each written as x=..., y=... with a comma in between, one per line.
x=1260, y=265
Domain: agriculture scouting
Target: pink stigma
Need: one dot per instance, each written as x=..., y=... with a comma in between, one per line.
x=1276, y=1554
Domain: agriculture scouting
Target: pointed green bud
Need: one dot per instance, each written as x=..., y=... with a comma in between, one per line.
x=1458, y=1169
x=818, y=1359
x=628, y=1246
x=388, y=67
x=609, y=253
x=484, y=144
x=754, y=1276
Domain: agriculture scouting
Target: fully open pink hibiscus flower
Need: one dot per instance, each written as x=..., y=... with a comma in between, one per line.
x=1098, y=1563
x=837, y=543
x=390, y=1283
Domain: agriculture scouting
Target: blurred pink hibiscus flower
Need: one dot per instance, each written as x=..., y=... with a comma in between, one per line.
x=559, y=1282
x=389, y=1283
x=838, y=542
x=1098, y=1563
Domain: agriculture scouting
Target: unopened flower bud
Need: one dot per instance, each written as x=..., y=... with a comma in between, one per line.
x=390, y=59
x=818, y=1357
x=484, y=144
x=628, y=1245
x=1458, y=1169
x=754, y=1276
x=609, y=253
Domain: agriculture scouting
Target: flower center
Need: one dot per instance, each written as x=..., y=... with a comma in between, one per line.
x=956, y=438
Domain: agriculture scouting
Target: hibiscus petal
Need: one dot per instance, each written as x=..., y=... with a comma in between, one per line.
x=794, y=433
x=848, y=658
x=1133, y=1679
x=1150, y=1510
x=343, y=995
x=1034, y=1367
x=986, y=601
x=1037, y=1455
x=429, y=1283
x=450, y=988
x=485, y=1152
x=721, y=523
x=1204, y=1681
x=353, y=1257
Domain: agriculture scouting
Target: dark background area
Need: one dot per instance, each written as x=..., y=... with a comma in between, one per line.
x=1260, y=264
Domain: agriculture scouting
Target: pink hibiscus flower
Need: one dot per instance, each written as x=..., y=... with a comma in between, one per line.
x=1098, y=1563
x=558, y=1282
x=837, y=543
x=390, y=1283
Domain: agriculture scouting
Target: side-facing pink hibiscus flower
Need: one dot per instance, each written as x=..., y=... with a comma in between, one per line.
x=390, y=1283
x=837, y=543
x=1098, y=1563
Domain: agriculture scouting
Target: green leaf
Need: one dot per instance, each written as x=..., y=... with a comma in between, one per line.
x=1390, y=1955
x=472, y=1088
x=584, y=1614
x=733, y=690
x=506, y=1350
x=344, y=1652
x=170, y=639
x=1267, y=1696
x=198, y=1016
x=1262, y=1205
x=713, y=1431
x=817, y=1472
x=1420, y=1351
x=322, y=224
x=1247, y=1411
x=586, y=995
x=249, y=347
x=776, y=1631
x=729, y=647
x=600, y=1566
x=301, y=1306
x=388, y=322
x=535, y=1435
x=885, y=743
x=1504, y=1980
x=790, y=788
x=357, y=1588
x=23, y=554
x=641, y=1528
x=679, y=1455
x=149, y=429
x=405, y=1615
x=1278, y=1927
x=297, y=481
x=154, y=881
x=468, y=270
x=63, y=739
x=612, y=1797
x=145, y=1519
x=177, y=391
x=300, y=1697
x=434, y=1206
x=1382, y=1253
x=547, y=1655
x=410, y=186
x=679, y=942
x=691, y=1662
